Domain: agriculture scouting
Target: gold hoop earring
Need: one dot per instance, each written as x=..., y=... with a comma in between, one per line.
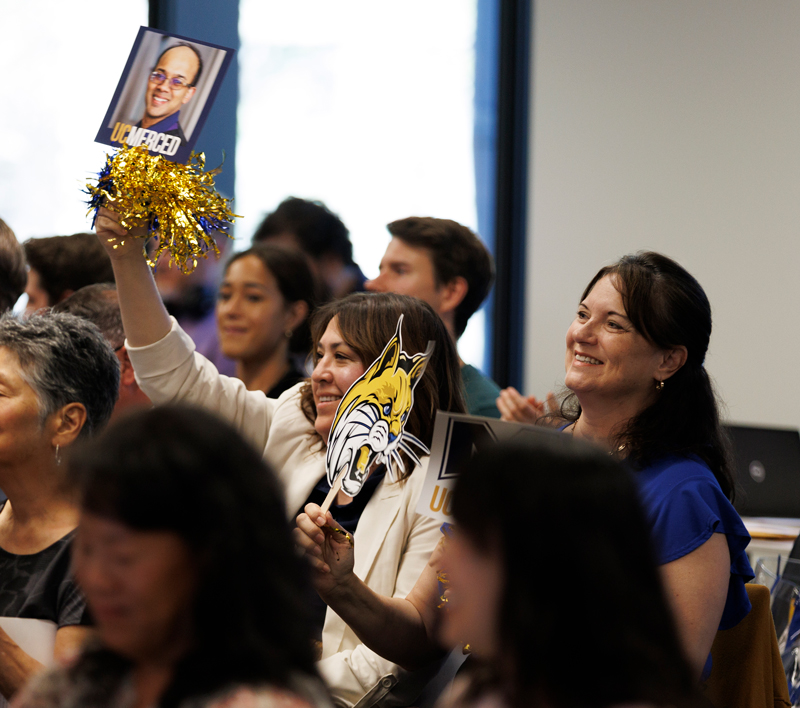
x=660, y=386
x=288, y=334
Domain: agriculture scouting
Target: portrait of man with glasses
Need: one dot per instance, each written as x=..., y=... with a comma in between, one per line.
x=170, y=85
x=164, y=94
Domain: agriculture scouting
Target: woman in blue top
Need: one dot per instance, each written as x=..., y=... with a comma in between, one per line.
x=634, y=365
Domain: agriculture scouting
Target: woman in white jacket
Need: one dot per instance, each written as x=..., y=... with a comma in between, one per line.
x=393, y=543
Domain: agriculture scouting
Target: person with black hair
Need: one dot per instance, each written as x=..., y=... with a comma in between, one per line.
x=600, y=613
x=98, y=304
x=183, y=554
x=314, y=230
x=635, y=368
x=596, y=634
x=264, y=301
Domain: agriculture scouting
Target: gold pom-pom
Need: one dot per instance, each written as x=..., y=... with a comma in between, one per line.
x=177, y=203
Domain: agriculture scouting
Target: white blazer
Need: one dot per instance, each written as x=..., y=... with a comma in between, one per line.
x=392, y=543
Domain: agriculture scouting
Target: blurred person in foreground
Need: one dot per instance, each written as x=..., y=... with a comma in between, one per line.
x=558, y=643
x=58, y=382
x=534, y=641
x=184, y=555
x=60, y=265
x=98, y=303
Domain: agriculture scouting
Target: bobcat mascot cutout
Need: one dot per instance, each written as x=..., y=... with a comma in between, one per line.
x=371, y=417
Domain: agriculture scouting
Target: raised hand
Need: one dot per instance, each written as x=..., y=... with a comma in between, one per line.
x=515, y=407
x=118, y=241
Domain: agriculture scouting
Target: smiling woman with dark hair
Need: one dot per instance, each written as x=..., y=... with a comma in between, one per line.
x=635, y=369
x=264, y=301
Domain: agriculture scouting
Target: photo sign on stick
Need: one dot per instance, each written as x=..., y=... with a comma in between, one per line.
x=166, y=91
x=456, y=438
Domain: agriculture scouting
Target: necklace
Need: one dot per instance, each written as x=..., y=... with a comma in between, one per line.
x=572, y=427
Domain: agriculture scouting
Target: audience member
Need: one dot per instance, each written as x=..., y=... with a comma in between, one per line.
x=598, y=633
x=446, y=265
x=635, y=367
x=60, y=265
x=191, y=299
x=13, y=273
x=98, y=303
x=183, y=553
x=264, y=301
x=58, y=381
x=310, y=227
x=393, y=542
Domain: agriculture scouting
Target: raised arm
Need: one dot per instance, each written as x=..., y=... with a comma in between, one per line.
x=166, y=365
x=144, y=316
x=398, y=629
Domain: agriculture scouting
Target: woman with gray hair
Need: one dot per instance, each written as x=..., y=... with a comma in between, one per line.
x=58, y=382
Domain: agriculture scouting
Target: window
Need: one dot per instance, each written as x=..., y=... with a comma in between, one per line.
x=61, y=64
x=369, y=107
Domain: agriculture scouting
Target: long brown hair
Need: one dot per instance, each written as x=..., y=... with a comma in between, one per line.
x=669, y=308
x=367, y=321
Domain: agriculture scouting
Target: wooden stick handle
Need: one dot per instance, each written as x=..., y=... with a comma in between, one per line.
x=337, y=485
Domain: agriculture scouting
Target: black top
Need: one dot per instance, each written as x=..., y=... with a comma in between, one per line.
x=290, y=378
x=40, y=586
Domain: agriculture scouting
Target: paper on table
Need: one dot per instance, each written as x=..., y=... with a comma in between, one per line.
x=35, y=637
x=774, y=528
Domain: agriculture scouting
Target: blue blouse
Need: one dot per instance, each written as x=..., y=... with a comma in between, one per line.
x=685, y=505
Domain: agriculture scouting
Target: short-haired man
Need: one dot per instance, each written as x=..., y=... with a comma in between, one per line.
x=446, y=265
x=312, y=228
x=98, y=303
x=60, y=265
x=170, y=85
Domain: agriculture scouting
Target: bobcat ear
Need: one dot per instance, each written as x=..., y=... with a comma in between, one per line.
x=418, y=364
x=390, y=356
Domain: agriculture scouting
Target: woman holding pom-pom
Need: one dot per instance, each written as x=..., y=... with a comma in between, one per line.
x=392, y=542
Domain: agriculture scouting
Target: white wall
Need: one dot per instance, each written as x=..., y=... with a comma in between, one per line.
x=672, y=125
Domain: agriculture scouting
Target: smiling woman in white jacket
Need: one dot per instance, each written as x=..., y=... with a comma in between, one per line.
x=393, y=543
